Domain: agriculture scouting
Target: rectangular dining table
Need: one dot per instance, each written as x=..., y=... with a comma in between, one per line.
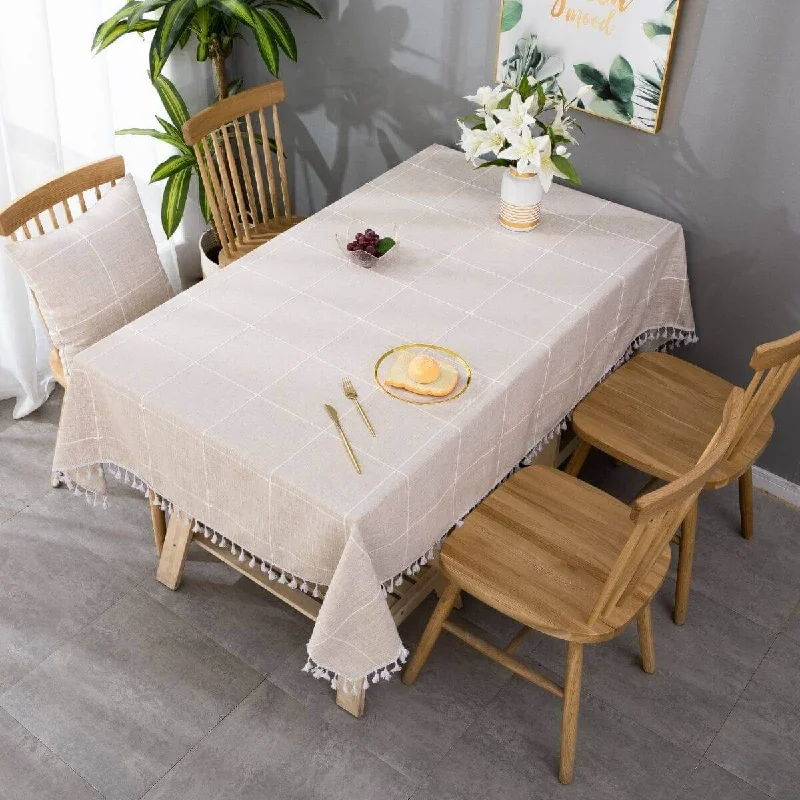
x=213, y=404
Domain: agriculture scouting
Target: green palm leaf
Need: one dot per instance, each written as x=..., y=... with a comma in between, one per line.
x=175, y=20
x=172, y=165
x=155, y=134
x=300, y=5
x=145, y=6
x=105, y=28
x=172, y=100
x=277, y=23
x=121, y=28
x=173, y=203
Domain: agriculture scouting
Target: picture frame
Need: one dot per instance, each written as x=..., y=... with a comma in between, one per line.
x=623, y=49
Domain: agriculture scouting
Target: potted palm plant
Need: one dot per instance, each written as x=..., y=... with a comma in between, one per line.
x=215, y=25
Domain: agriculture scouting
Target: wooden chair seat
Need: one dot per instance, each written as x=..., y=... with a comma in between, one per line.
x=258, y=235
x=564, y=559
x=658, y=414
x=541, y=547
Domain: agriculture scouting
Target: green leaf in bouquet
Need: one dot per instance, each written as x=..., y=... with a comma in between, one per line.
x=566, y=168
x=385, y=245
x=471, y=119
x=512, y=14
x=496, y=162
x=620, y=79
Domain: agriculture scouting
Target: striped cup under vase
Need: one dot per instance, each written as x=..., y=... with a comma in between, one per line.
x=520, y=200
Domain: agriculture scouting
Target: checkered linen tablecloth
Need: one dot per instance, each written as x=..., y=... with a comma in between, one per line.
x=215, y=399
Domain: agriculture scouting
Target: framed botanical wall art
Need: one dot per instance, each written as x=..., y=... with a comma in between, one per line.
x=621, y=48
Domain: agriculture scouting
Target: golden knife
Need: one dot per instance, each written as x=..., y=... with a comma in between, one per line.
x=334, y=415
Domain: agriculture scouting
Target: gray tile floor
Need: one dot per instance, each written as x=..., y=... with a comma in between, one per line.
x=112, y=686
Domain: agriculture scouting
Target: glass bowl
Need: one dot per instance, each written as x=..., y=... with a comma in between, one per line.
x=360, y=257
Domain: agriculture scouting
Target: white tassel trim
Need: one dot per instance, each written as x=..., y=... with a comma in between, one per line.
x=354, y=685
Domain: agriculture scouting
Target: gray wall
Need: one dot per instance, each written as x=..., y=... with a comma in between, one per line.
x=381, y=79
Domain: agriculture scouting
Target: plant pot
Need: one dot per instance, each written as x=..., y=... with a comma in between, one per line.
x=520, y=200
x=210, y=249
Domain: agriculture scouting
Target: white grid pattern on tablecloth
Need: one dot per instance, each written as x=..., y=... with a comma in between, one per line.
x=429, y=464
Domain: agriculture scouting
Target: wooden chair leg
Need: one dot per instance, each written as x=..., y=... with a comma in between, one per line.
x=578, y=459
x=159, y=523
x=746, y=503
x=173, y=557
x=644, y=623
x=685, y=558
x=569, y=714
x=431, y=634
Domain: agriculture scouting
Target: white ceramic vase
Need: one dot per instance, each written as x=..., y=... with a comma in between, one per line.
x=520, y=200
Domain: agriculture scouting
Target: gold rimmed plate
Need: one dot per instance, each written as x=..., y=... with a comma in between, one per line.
x=441, y=354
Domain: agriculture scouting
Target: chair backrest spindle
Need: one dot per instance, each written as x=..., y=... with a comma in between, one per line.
x=658, y=513
x=248, y=207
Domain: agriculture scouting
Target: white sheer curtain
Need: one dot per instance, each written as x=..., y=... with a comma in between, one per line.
x=59, y=108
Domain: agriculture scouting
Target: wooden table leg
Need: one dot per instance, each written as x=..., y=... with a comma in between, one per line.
x=352, y=703
x=173, y=556
x=159, y=519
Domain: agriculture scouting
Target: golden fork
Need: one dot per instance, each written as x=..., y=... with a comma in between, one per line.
x=334, y=415
x=351, y=394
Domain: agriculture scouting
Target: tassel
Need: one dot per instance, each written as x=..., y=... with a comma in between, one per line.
x=233, y=549
x=223, y=542
x=105, y=501
x=264, y=566
x=272, y=575
x=293, y=583
x=282, y=578
x=396, y=667
x=195, y=527
x=242, y=555
x=385, y=674
x=252, y=562
x=315, y=593
x=77, y=491
x=304, y=587
x=398, y=581
x=206, y=532
x=308, y=666
x=155, y=501
x=214, y=539
x=376, y=677
x=334, y=684
x=164, y=505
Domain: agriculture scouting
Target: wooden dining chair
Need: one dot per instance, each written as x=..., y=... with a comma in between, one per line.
x=657, y=414
x=565, y=559
x=234, y=154
x=49, y=207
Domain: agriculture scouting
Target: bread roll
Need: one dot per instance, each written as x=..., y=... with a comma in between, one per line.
x=399, y=377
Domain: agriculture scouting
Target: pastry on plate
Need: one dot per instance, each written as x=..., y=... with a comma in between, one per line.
x=422, y=375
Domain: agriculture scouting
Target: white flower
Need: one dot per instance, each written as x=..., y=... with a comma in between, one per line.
x=516, y=118
x=583, y=91
x=471, y=142
x=547, y=169
x=524, y=150
x=488, y=98
x=479, y=142
x=561, y=126
x=495, y=136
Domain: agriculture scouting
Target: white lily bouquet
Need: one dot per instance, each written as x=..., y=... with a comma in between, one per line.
x=526, y=129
